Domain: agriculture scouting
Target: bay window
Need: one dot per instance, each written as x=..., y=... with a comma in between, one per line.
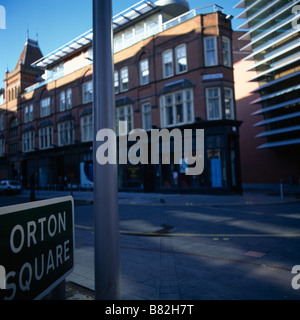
x=177, y=108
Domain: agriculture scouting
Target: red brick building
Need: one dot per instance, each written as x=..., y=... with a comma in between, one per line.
x=173, y=69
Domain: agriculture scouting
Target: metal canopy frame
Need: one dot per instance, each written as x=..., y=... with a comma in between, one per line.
x=64, y=50
x=120, y=19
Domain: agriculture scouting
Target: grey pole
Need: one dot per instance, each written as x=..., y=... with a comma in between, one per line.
x=106, y=215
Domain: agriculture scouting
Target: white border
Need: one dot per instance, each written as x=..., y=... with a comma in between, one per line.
x=42, y=203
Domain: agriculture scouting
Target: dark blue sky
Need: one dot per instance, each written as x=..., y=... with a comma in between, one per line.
x=58, y=22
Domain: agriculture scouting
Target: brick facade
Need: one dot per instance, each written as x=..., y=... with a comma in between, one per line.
x=59, y=164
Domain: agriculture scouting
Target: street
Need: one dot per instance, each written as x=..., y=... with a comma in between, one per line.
x=200, y=252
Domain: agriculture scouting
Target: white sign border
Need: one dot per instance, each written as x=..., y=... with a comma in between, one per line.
x=37, y=204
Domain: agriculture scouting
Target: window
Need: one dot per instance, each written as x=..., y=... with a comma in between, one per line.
x=2, y=147
x=181, y=59
x=66, y=100
x=226, y=43
x=144, y=72
x=213, y=103
x=128, y=37
x=62, y=101
x=167, y=60
x=86, y=128
x=147, y=119
x=13, y=148
x=177, y=108
x=58, y=70
x=26, y=114
x=45, y=107
x=229, y=103
x=2, y=122
x=210, y=48
x=87, y=92
x=152, y=25
x=13, y=128
x=124, y=79
x=118, y=42
x=31, y=112
x=116, y=82
x=28, y=141
x=124, y=113
x=69, y=99
x=139, y=31
x=46, y=137
x=66, y=133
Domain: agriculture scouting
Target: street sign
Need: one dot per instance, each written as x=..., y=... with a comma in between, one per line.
x=36, y=246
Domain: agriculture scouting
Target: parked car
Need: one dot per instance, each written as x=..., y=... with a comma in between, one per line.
x=10, y=187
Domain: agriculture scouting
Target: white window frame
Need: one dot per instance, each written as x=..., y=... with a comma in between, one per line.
x=144, y=72
x=208, y=63
x=229, y=105
x=152, y=25
x=124, y=79
x=62, y=101
x=87, y=92
x=69, y=99
x=66, y=133
x=167, y=59
x=128, y=37
x=46, y=138
x=213, y=99
x=127, y=116
x=86, y=125
x=26, y=114
x=116, y=82
x=181, y=54
x=146, y=115
x=58, y=70
x=169, y=104
x=28, y=141
x=226, y=51
x=139, y=31
x=118, y=42
x=45, y=106
x=30, y=112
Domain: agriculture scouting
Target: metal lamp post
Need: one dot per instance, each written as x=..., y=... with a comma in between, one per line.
x=106, y=216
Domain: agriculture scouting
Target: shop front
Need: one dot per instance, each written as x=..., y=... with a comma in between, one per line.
x=221, y=174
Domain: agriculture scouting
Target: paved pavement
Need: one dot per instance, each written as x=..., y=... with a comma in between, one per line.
x=253, y=195
x=184, y=267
